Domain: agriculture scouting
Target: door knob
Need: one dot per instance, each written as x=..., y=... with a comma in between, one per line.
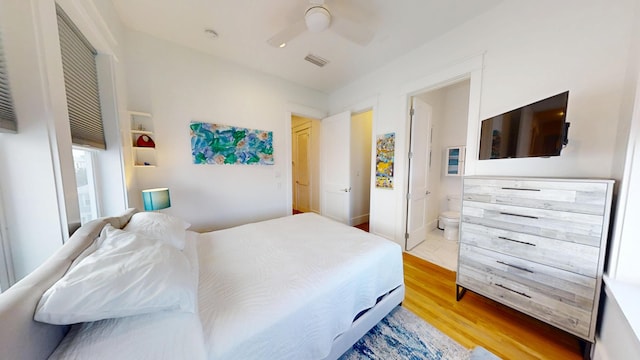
x=347, y=189
x=428, y=192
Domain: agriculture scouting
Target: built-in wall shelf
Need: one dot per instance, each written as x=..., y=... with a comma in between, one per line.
x=142, y=139
x=454, y=161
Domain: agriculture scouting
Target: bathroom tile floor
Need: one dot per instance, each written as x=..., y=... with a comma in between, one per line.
x=438, y=250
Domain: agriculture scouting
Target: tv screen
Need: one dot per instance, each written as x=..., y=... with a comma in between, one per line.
x=536, y=129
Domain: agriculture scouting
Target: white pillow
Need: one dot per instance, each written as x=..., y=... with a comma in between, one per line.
x=167, y=228
x=128, y=274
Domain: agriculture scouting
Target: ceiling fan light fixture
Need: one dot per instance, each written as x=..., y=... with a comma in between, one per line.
x=317, y=18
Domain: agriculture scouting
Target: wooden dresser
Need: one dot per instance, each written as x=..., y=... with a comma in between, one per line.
x=537, y=245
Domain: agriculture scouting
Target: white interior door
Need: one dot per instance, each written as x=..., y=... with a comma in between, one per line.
x=335, y=159
x=419, y=163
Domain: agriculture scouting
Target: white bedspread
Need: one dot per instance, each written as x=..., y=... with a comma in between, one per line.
x=284, y=289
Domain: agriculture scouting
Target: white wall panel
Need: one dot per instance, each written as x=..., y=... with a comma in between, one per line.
x=178, y=85
x=529, y=53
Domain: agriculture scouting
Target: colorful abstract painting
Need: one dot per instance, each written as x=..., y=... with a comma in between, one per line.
x=385, y=146
x=222, y=144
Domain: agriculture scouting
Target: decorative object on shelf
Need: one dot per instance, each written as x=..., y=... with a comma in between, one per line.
x=145, y=141
x=156, y=199
x=143, y=147
x=222, y=144
x=385, y=149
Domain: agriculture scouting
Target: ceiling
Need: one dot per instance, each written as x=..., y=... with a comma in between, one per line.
x=244, y=26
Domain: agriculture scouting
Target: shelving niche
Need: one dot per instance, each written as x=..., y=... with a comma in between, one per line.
x=142, y=126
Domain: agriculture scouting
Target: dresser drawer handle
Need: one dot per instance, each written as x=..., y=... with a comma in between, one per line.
x=514, y=266
x=519, y=215
x=513, y=291
x=516, y=241
x=519, y=189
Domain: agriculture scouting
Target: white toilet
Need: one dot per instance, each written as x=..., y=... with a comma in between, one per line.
x=450, y=219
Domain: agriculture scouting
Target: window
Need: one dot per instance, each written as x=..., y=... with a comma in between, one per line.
x=81, y=84
x=85, y=114
x=7, y=114
x=83, y=160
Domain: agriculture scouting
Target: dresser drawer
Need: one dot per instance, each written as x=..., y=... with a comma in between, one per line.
x=573, y=227
x=555, y=296
x=577, y=258
x=575, y=196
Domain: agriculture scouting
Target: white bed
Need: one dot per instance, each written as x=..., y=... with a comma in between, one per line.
x=286, y=288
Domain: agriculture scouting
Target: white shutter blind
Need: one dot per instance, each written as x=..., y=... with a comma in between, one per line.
x=7, y=114
x=81, y=84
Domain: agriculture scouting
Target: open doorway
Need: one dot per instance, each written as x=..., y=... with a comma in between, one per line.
x=435, y=190
x=346, y=150
x=361, y=145
x=305, y=163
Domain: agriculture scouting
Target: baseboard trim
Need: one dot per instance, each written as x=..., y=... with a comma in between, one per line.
x=357, y=220
x=432, y=225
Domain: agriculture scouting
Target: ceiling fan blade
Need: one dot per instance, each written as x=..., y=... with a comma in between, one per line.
x=288, y=34
x=352, y=31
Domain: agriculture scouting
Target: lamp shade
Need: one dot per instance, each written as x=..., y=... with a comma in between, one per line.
x=156, y=199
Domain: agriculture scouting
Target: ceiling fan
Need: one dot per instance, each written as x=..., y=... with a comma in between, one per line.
x=318, y=18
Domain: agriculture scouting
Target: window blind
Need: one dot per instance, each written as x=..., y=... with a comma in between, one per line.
x=81, y=84
x=7, y=114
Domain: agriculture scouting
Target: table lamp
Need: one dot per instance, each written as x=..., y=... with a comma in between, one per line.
x=156, y=199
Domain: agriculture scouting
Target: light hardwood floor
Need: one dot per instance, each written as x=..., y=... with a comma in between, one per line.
x=475, y=320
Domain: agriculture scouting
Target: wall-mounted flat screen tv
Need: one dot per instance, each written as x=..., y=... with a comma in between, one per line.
x=537, y=129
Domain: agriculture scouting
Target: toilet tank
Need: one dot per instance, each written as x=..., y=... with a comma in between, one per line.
x=454, y=202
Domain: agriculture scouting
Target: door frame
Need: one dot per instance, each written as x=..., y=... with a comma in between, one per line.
x=370, y=103
x=470, y=69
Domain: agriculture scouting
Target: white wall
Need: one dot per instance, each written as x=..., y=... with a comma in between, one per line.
x=32, y=184
x=360, y=166
x=530, y=53
x=178, y=85
x=616, y=338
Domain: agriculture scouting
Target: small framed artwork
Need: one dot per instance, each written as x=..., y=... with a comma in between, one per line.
x=385, y=149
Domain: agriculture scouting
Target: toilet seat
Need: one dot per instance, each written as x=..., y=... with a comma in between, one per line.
x=450, y=221
x=451, y=215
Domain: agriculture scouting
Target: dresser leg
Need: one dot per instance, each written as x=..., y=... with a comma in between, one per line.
x=586, y=349
x=460, y=292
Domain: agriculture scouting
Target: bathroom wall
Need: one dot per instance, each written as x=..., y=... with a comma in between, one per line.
x=453, y=132
x=449, y=123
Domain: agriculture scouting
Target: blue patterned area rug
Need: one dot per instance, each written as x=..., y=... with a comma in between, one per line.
x=402, y=335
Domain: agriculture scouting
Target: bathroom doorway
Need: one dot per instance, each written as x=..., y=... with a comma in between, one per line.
x=432, y=183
